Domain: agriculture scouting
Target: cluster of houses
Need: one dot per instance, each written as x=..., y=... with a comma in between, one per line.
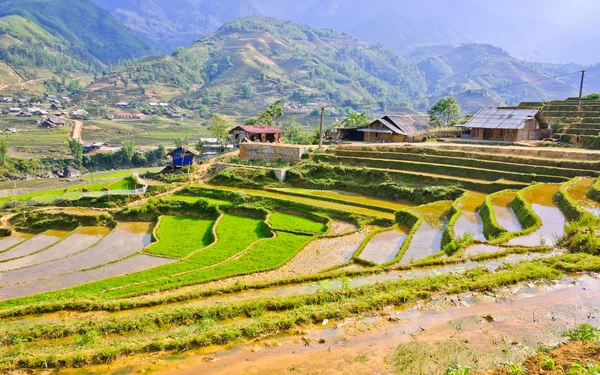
x=498, y=125
x=153, y=108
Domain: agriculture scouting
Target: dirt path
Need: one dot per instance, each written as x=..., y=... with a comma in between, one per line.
x=76, y=130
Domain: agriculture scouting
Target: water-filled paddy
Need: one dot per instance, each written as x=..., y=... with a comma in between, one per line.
x=578, y=191
x=470, y=222
x=125, y=240
x=383, y=247
x=505, y=215
x=428, y=238
x=11, y=241
x=553, y=221
x=79, y=241
x=34, y=244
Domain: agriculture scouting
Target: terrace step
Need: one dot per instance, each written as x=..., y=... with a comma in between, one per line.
x=414, y=155
x=515, y=159
x=576, y=131
x=440, y=169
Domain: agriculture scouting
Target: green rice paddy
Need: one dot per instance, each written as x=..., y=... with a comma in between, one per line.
x=285, y=221
x=178, y=236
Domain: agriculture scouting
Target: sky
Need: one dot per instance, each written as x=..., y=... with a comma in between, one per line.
x=549, y=30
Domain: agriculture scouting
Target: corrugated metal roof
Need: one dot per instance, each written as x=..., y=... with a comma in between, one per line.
x=405, y=124
x=501, y=118
x=257, y=129
x=385, y=131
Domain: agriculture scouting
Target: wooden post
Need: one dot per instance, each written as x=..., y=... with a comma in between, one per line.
x=321, y=127
x=581, y=90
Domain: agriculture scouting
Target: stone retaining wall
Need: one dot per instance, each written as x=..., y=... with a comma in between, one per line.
x=272, y=152
x=280, y=173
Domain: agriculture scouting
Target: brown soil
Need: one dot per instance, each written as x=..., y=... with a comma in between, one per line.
x=564, y=356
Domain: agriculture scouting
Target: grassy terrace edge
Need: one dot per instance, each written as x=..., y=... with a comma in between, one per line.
x=313, y=309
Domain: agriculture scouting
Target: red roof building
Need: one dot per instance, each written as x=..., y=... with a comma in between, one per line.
x=256, y=133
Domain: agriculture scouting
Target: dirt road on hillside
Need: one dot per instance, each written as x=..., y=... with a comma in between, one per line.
x=77, y=129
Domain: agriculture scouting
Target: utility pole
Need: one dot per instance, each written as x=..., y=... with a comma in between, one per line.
x=581, y=90
x=321, y=127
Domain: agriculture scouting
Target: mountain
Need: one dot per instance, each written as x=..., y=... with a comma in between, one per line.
x=481, y=75
x=43, y=39
x=249, y=63
x=172, y=23
x=537, y=30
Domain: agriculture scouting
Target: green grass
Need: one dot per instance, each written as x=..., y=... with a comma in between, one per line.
x=178, y=236
x=48, y=196
x=265, y=255
x=234, y=235
x=185, y=198
x=125, y=184
x=285, y=221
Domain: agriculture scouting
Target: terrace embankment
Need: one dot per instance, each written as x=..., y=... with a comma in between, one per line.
x=579, y=191
x=427, y=239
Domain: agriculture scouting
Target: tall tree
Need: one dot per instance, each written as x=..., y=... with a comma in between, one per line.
x=445, y=111
x=219, y=128
x=77, y=151
x=3, y=153
x=356, y=119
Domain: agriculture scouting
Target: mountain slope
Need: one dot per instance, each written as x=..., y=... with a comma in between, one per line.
x=172, y=23
x=482, y=75
x=84, y=29
x=249, y=63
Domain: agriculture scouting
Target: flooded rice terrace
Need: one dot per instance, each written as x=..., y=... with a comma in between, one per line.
x=505, y=215
x=86, y=257
x=383, y=247
x=579, y=190
x=428, y=237
x=470, y=222
x=553, y=221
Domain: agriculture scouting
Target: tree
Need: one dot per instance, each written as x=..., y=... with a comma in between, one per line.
x=3, y=153
x=77, y=151
x=445, y=111
x=247, y=90
x=126, y=152
x=201, y=148
x=356, y=119
x=275, y=111
x=181, y=142
x=219, y=128
x=291, y=130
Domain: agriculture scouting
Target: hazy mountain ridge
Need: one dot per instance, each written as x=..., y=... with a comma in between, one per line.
x=172, y=23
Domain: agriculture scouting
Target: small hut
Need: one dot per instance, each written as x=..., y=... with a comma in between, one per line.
x=183, y=156
x=507, y=125
x=256, y=133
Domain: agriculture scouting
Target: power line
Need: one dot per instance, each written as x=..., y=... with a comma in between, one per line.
x=523, y=83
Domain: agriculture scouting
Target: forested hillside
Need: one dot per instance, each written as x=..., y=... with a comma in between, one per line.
x=250, y=62
x=59, y=39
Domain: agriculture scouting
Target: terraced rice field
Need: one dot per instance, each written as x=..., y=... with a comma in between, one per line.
x=194, y=278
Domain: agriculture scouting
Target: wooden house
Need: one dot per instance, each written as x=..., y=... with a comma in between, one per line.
x=53, y=122
x=388, y=129
x=507, y=125
x=256, y=133
x=183, y=156
x=130, y=116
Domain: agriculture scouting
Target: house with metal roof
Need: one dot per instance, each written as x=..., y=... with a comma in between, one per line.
x=388, y=129
x=508, y=125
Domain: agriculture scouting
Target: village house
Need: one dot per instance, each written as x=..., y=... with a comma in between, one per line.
x=53, y=122
x=388, y=129
x=507, y=125
x=7, y=100
x=130, y=116
x=122, y=104
x=97, y=147
x=183, y=156
x=26, y=114
x=255, y=133
x=79, y=112
x=56, y=106
x=62, y=114
x=15, y=110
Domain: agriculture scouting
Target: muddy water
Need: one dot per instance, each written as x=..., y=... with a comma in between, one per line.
x=125, y=240
x=505, y=215
x=350, y=198
x=339, y=228
x=305, y=288
x=428, y=238
x=482, y=249
x=383, y=247
x=502, y=327
x=80, y=240
x=578, y=191
x=470, y=222
x=553, y=221
x=34, y=244
x=11, y=241
x=135, y=263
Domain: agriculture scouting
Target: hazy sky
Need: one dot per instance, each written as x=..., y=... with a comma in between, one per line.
x=555, y=30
